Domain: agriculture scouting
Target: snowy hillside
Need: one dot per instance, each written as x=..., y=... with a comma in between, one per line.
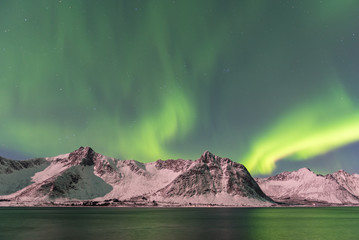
x=87, y=175
x=304, y=185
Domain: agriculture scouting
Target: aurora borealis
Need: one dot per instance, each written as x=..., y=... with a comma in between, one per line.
x=267, y=84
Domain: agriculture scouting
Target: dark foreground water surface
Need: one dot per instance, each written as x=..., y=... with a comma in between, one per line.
x=179, y=223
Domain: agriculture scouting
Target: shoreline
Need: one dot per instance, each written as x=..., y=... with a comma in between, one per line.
x=132, y=204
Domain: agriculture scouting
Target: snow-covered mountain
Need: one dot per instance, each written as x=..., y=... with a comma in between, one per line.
x=304, y=185
x=348, y=181
x=213, y=180
x=86, y=175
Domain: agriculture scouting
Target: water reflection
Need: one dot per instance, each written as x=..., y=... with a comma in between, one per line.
x=185, y=223
x=305, y=223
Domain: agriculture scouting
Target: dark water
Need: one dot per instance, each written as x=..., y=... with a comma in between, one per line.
x=184, y=223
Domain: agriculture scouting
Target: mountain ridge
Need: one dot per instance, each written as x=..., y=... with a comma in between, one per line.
x=304, y=185
x=84, y=175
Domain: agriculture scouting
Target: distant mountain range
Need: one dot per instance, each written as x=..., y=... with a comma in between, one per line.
x=84, y=177
x=304, y=186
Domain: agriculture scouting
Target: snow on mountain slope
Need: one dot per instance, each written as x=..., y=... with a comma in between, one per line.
x=84, y=174
x=68, y=176
x=303, y=184
x=349, y=181
x=130, y=178
x=77, y=182
x=15, y=175
x=214, y=180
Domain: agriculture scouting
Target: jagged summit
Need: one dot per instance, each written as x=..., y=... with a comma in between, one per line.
x=339, y=174
x=83, y=150
x=207, y=157
x=304, y=170
x=341, y=171
x=207, y=153
x=83, y=155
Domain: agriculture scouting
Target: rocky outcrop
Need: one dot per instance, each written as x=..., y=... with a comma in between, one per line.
x=82, y=156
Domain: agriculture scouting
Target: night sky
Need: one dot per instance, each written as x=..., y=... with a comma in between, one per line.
x=270, y=84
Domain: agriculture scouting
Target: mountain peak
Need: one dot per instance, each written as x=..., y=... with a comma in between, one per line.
x=207, y=157
x=83, y=155
x=207, y=153
x=340, y=172
x=83, y=150
x=304, y=170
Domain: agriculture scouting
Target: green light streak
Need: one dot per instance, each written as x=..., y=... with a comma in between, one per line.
x=115, y=76
x=167, y=79
x=313, y=129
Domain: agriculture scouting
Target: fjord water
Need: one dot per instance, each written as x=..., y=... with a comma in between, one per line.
x=179, y=223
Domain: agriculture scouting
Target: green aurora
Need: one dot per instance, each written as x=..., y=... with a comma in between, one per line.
x=317, y=131
x=255, y=81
